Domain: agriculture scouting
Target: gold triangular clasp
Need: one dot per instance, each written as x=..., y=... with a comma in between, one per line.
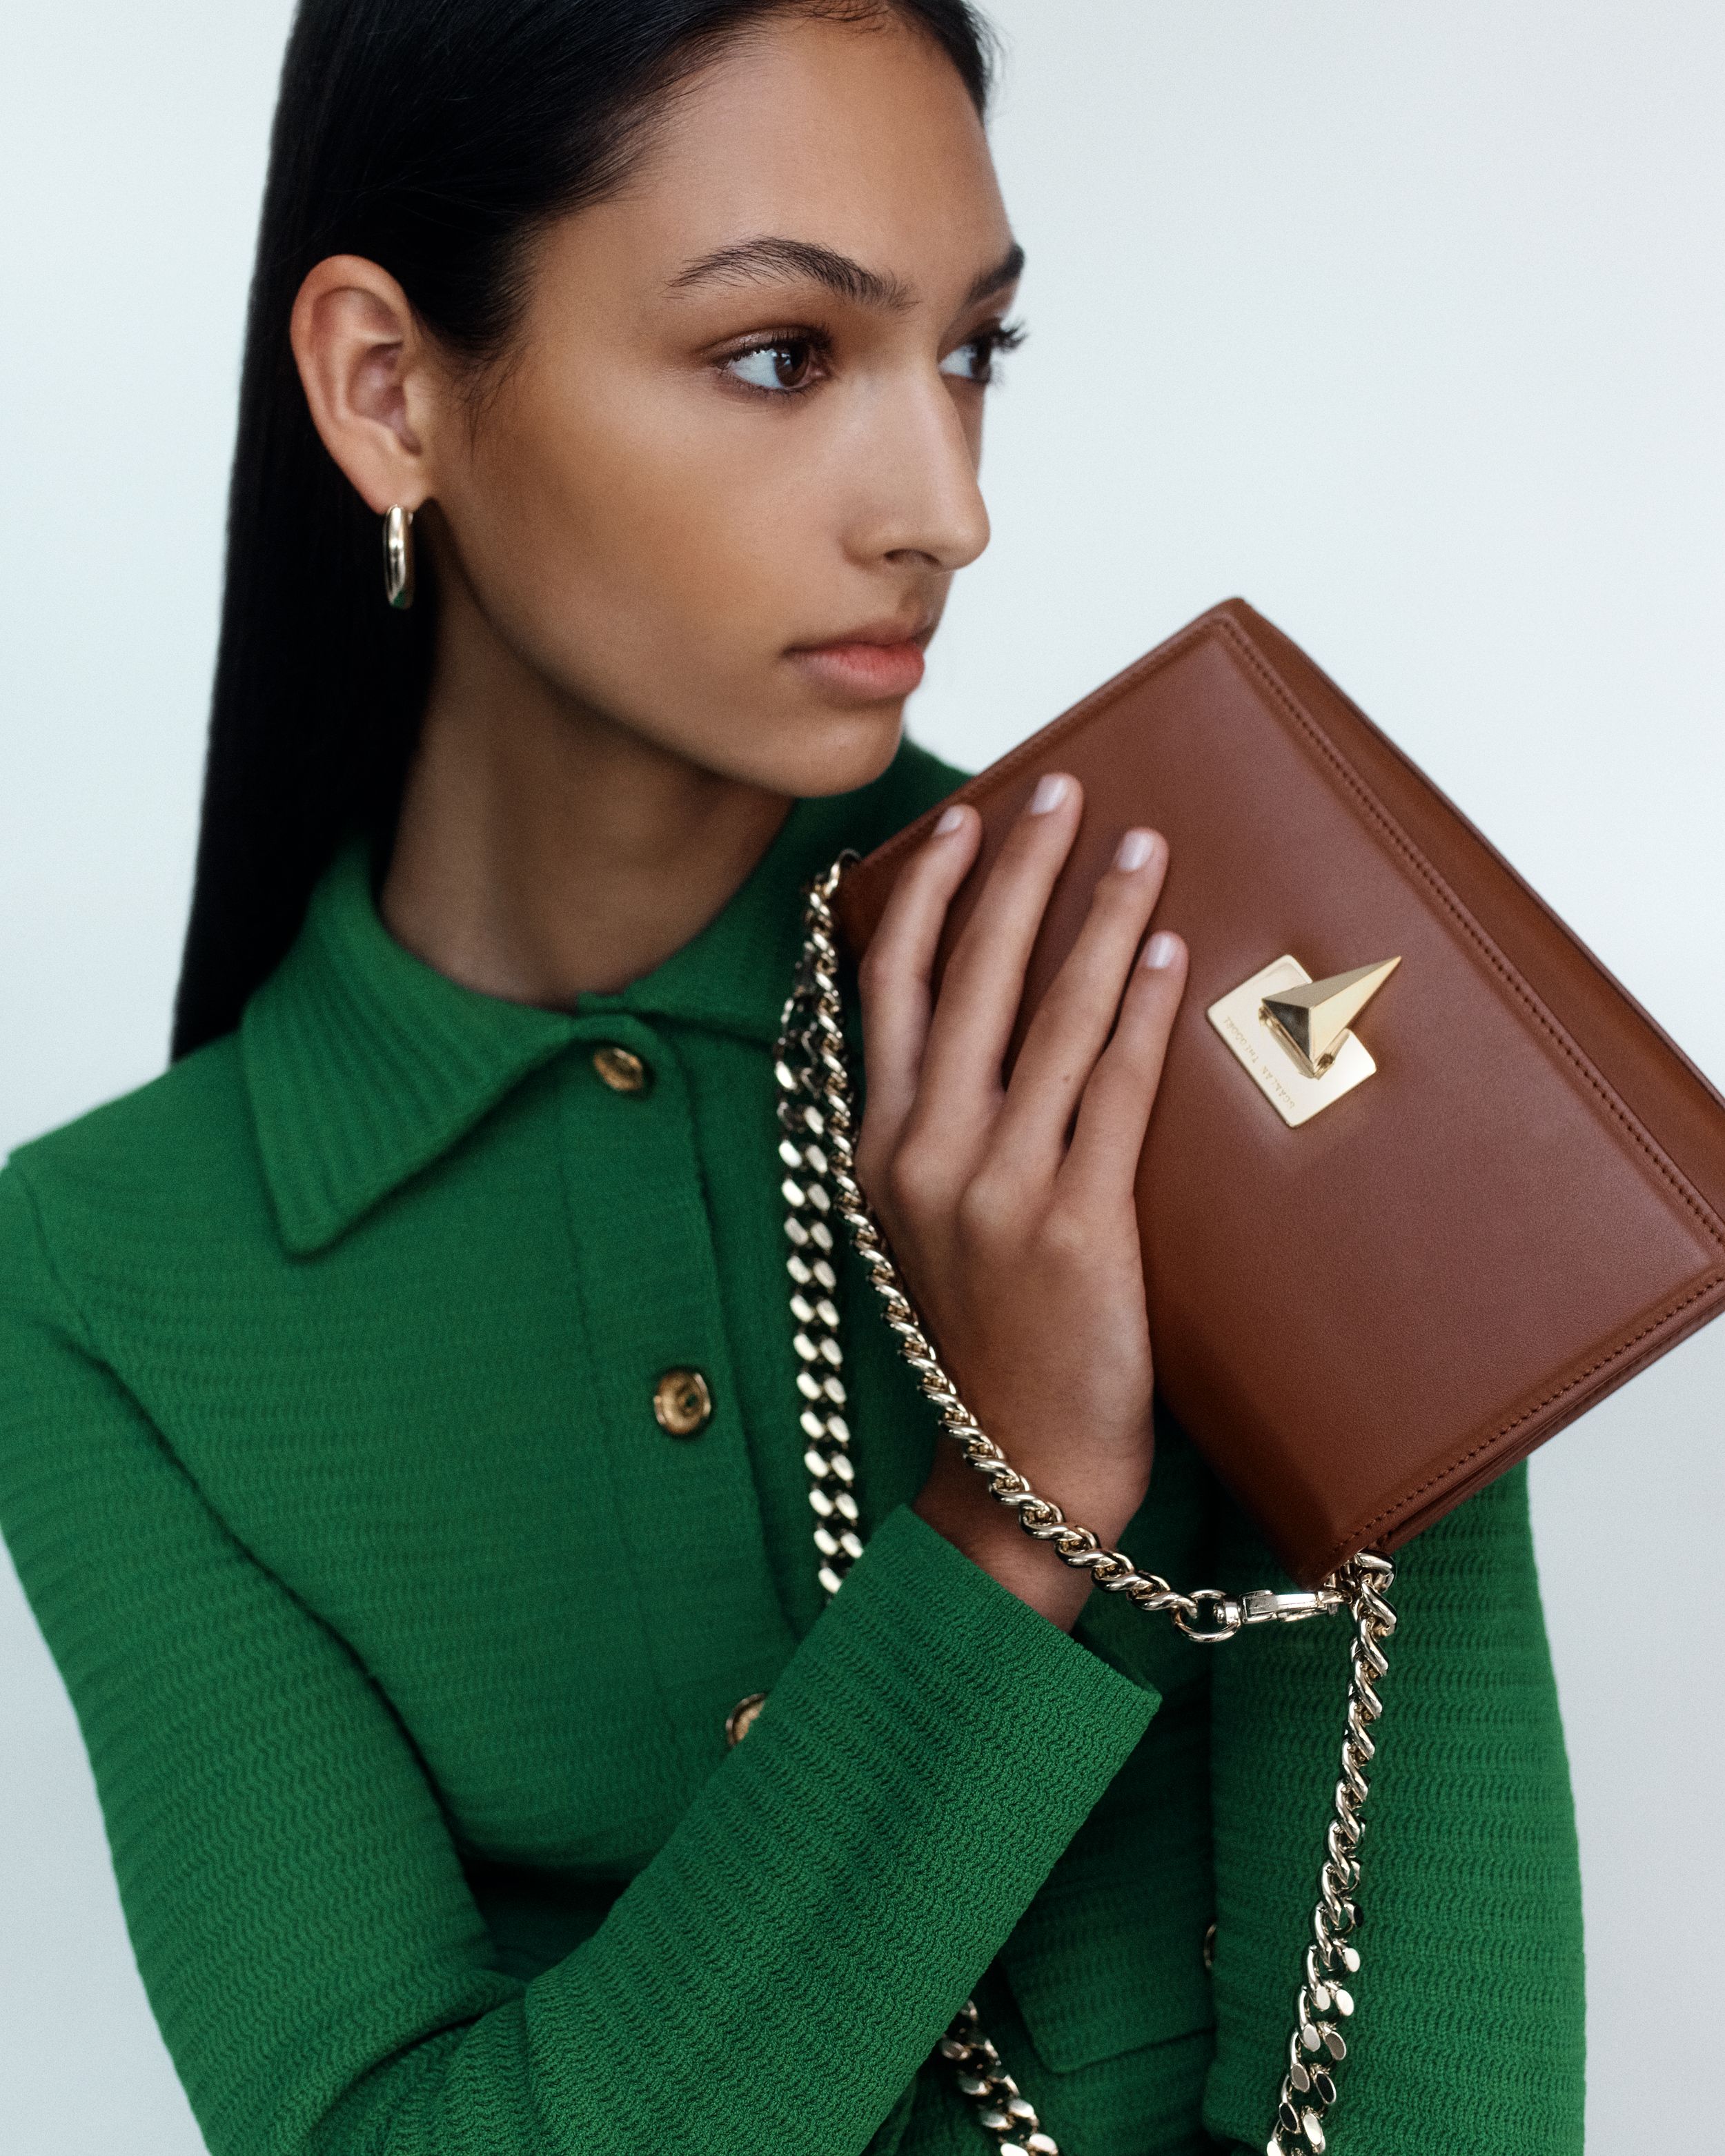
x=1311, y=1021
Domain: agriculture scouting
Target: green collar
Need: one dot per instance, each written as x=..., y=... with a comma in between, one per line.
x=365, y=1065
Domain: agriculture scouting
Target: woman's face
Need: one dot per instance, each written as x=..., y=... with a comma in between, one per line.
x=718, y=490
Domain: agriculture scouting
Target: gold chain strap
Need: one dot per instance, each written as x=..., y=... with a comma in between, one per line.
x=816, y=1121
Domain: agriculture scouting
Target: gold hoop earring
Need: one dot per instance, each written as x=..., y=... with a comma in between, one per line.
x=398, y=556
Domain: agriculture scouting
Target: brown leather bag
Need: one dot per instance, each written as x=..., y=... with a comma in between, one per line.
x=1364, y=1317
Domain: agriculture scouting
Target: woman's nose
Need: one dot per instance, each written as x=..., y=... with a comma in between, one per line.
x=919, y=494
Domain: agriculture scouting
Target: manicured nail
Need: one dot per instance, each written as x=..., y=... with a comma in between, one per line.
x=1051, y=789
x=1134, y=850
x=951, y=820
x=1161, y=950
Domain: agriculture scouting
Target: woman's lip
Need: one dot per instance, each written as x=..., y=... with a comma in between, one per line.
x=863, y=668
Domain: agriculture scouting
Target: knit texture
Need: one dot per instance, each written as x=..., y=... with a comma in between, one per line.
x=402, y=1639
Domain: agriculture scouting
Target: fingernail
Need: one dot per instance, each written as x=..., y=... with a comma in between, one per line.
x=951, y=819
x=1134, y=850
x=1051, y=789
x=1161, y=950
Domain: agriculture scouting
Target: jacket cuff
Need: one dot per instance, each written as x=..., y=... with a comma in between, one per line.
x=916, y=1608
x=924, y=1758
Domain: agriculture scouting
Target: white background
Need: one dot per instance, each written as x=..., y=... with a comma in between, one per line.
x=1405, y=322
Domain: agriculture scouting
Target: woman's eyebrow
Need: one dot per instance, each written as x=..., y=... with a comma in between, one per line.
x=772, y=258
x=1006, y=271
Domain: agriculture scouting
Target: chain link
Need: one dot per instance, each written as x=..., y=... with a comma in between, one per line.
x=1308, y=2091
x=1002, y=2110
x=816, y=1121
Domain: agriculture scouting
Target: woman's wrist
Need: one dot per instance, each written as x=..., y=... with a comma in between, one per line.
x=956, y=1503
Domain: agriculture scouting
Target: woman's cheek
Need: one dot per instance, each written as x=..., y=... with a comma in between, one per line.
x=728, y=551
x=655, y=554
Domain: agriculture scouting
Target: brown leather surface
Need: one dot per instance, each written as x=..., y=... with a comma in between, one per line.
x=1363, y=1319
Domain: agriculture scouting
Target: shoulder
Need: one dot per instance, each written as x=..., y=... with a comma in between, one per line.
x=187, y=1130
x=119, y=1188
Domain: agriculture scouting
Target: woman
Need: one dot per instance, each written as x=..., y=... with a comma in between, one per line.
x=399, y=1440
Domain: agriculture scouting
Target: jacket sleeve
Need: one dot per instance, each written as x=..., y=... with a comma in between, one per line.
x=1468, y=2030
x=770, y=1982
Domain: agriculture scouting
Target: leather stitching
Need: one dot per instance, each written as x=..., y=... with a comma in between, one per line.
x=1358, y=1540
x=1038, y=746
x=1511, y=979
x=991, y=780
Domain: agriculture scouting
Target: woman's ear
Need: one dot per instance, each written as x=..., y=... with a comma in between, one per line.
x=367, y=377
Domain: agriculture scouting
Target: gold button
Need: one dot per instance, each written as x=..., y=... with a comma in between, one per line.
x=743, y=1716
x=621, y=1069
x=682, y=1403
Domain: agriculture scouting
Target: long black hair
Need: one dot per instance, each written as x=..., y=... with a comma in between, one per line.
x=434, y=137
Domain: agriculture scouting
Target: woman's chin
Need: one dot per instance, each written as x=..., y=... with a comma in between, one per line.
x=839, y=751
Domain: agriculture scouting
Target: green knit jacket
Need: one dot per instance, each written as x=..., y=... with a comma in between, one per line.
x=403, y=1638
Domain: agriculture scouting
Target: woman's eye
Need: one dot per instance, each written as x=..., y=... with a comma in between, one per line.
x=786, y=366
x=976, y=359
x=971, y=362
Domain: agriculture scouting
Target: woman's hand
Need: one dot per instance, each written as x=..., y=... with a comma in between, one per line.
x=1010, y=1207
